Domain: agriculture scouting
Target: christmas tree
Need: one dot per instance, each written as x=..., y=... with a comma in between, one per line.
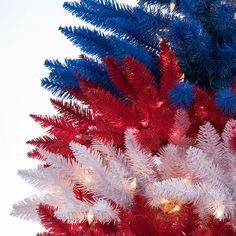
x=140, y=148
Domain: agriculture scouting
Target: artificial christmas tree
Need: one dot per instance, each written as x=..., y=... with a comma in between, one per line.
x=144, y=146
x=151, y=161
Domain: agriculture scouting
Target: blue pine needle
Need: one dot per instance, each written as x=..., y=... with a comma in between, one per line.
x=181, y=95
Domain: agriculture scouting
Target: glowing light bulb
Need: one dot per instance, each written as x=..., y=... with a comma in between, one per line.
x=96, y=114
x=201, y=107
x=175, y=134
x=88, y=179
x=186, y=180
x=172, y=5
x=160, y=103
x=168, y=206
x=182, y=77
x=144, y=123
x=175, y=209
x=163, y=201
x=133, y=184
x=80, y=227
x=234, y=130
x=90, y=216
x=218, y=213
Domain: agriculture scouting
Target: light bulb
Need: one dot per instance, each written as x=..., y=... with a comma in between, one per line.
x=90, y=216
x=133, y=184
x=96, y=114
x=219, y=212
x=168, y=206
x=163, y=201
x=234, y=130
x=160, y=103
x=172, y=5
x=88, y=179
x=144, y=123
x=175, y=209
x=186, y=180
x=175, y=134
x=181, y=79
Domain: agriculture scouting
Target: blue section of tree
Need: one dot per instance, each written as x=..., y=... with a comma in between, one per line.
x=202, y=33
x=225, y=100
x=100, y=45
x=181, y=95
x=64, y=76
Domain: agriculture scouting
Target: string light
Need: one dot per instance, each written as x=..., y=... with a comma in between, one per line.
x=168, y=206
x=160, y=103
x=172, y=5
x=163, y=201
x=182, y=77
x=88, y=179
x=218, y=213
x=234, y=130
x=90, y=216
x=133, y=184
x=175, y=134
x=96, y=114
x=175, y=209
x=186, y=180
x=144, y=123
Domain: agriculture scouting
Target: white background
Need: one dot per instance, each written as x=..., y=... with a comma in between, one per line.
x=28, y=35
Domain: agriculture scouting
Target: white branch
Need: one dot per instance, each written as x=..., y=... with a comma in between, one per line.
x=139, y=161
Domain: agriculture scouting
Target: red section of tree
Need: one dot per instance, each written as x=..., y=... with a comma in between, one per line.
x=56, y=125
x=73, y=113
x=170, y=71
x=52, y=144
x=117, y=75
x=141, y=219
x=110, y=108
x=34, y=154
x=51, y=223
